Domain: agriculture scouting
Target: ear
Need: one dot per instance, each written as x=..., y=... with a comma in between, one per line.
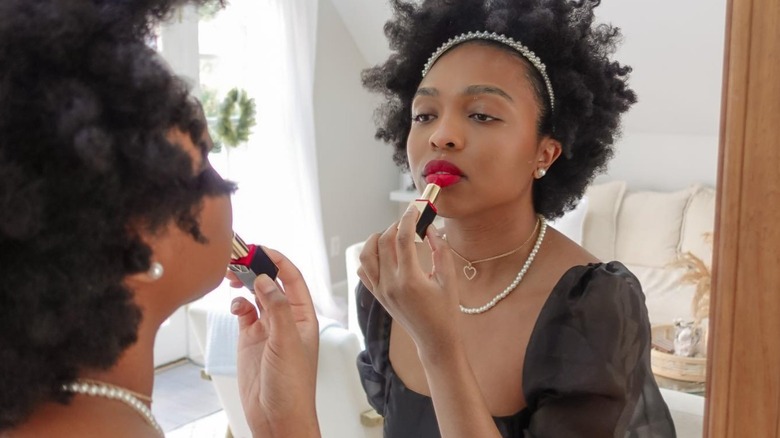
x=548, y=151
x=162, y=253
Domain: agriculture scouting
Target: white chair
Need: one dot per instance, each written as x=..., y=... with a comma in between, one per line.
x=342, y=408
x=352, y=254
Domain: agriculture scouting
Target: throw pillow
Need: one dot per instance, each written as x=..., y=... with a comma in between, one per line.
x=600, y=224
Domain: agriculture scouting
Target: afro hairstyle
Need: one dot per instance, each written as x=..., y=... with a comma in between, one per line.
x=85, y=109
x=591, y=91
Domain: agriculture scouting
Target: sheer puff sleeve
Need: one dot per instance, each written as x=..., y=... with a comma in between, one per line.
x=587, y=367
x=373, y=362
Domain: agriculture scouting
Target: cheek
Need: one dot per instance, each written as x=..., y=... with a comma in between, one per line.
x=416, y=146
x=217, y=222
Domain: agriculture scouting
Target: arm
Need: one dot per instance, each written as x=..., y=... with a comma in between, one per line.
x=461, y=411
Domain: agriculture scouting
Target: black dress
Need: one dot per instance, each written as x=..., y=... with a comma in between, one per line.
x=586, y=373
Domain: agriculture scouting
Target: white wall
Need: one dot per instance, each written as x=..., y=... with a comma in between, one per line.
x=670, y=137
x=356, y=172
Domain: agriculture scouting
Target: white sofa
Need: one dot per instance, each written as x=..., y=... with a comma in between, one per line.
x=648, y=231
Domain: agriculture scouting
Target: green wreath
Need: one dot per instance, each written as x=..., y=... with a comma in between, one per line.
x=233, y=134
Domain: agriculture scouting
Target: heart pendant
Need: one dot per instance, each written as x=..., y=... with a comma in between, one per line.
x=469, y=271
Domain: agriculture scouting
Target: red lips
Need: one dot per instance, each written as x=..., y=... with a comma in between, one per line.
x=442, y=173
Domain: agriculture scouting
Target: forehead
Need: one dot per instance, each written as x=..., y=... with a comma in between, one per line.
x=477, y=62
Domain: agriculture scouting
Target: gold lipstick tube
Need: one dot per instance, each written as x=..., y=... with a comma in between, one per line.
x=424, y=204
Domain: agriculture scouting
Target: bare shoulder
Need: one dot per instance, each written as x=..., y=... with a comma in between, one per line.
x=559, y=253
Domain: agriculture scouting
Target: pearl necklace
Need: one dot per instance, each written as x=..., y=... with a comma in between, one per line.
x=490, y=304
x=96, y=388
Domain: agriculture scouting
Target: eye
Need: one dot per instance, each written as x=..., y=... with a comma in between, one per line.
x=482, y=117
x=422, y=118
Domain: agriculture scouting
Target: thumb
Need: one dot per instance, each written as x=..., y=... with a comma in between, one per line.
x=276, y=308
x=443, y=267
x=245, y=311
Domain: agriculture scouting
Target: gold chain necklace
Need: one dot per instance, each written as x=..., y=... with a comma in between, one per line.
x=512, y=286
x=470, y=271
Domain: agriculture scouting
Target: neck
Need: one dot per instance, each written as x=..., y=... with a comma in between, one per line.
x=135, y=368
x=488, y=234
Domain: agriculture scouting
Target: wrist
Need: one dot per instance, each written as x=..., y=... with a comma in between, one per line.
x=302, y=423
x=446, y=351
x=299, y=423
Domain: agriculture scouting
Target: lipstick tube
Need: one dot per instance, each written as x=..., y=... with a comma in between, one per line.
x=424, y=205
x=249, y=261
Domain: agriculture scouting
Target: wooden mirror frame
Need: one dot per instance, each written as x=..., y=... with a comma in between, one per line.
x=743, y=384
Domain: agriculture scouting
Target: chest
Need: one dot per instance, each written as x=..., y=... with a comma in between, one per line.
x=495, y=344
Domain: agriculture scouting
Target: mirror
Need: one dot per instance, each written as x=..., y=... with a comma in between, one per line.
x=671, y=140
x=667, y=157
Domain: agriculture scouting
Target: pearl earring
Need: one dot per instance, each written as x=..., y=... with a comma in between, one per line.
x=541, y=172
x=156, y=271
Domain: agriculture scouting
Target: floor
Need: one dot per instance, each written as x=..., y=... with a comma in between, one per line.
x=186, y=405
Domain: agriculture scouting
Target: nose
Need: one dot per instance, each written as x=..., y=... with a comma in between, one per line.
x=447, y=134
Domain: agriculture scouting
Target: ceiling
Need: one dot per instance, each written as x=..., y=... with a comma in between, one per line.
x=365, y=20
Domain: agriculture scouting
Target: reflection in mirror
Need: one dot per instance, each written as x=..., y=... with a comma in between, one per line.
x=653, y=209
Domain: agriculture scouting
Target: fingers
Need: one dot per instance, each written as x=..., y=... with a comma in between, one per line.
x=234, y=281
x=245, y=311
x=443, y=266
x=405, y=246
x=295, y=288
x=365, y=280
x=276, y=307
x=369, y=262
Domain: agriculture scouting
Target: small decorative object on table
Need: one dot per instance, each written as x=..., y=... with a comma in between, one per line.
x=687, y=337
x=678, y=357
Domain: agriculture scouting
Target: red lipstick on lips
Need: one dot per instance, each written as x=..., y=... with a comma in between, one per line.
x=442, y=173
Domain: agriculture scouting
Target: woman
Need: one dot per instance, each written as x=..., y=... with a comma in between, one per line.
x=500, y=325
x=110, y=219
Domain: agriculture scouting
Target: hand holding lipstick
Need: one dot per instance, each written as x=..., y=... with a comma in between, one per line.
x=277, y=353
x=425, y=303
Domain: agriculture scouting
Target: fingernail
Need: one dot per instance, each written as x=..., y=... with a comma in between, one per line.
x=235, y=306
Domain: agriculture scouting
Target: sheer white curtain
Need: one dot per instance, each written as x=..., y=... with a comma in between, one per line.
x=268, y=47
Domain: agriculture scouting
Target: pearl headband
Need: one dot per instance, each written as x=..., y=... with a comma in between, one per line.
x=492, y=36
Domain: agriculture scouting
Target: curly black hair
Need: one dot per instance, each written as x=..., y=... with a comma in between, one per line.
x=85, y=167
x=591, y=91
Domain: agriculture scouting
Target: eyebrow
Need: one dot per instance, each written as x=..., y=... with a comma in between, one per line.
x=471, y=90
x=424, y=91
